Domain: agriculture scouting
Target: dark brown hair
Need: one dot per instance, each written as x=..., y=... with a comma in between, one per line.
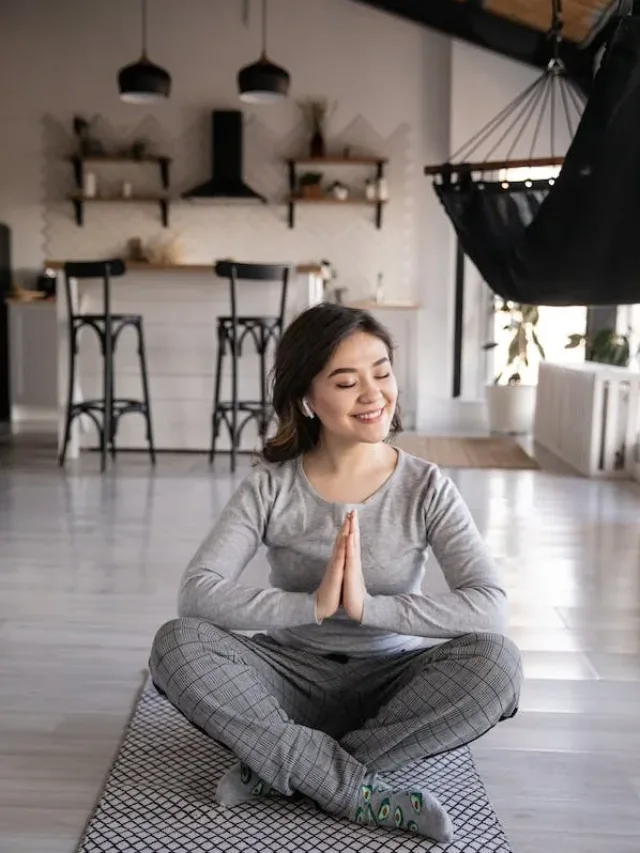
x=304, y=350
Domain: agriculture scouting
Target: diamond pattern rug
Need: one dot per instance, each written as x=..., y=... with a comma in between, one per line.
x=158, y=798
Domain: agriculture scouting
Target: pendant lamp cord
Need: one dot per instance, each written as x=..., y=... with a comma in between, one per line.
x=144, y=28
x=264, y=29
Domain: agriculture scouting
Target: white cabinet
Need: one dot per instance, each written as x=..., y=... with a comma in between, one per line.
x=33, y=358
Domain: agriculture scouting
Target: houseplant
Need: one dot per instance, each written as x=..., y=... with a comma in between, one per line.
x=606, y=346
x=310, y=185
x=511, y=402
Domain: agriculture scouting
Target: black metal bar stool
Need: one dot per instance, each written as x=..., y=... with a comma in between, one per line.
x=106, y=411
x=233, y=330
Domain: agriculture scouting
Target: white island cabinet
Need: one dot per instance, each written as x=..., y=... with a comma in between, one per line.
x=180, y=305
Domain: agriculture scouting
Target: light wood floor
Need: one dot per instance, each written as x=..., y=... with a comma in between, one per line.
x=89, y=567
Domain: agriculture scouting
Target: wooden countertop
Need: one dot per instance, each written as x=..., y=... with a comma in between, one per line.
x=144, y=266
x=303, y=269
x=371, y=305
x=16, y=300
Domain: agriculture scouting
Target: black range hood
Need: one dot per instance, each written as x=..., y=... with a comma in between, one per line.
x=226, y=162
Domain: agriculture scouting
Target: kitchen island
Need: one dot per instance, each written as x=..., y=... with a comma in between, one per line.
x=180, y=304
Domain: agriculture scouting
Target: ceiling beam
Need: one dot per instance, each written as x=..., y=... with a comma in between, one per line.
x=469, y=22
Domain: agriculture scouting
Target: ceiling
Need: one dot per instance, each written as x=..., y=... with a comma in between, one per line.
x=517, y=28
x=580, y=17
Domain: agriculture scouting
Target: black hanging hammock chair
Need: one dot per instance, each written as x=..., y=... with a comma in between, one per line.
x=573, y=239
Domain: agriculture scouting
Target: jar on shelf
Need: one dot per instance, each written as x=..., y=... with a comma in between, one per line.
x=370, y=190
x=339, y=191
x=382, y=190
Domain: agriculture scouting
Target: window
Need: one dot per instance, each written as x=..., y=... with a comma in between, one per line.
x=554, y=325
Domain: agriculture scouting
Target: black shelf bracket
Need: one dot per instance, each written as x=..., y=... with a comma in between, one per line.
x=379, y=206
x=164, y=212
x=292, y=190
x=164, y=163
x=78, y=172
x=78, y=208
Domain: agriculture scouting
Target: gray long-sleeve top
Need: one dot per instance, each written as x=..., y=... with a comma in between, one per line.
x=415, y=510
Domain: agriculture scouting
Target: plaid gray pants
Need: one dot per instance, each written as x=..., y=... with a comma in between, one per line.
x=304, y=722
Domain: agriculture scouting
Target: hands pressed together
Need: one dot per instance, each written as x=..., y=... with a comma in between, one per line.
x=343, y=582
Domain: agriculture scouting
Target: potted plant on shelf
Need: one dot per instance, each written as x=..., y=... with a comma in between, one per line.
x=511, y=402
x=310, y=185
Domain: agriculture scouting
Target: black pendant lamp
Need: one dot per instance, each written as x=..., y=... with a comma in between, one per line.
x=143, y=82
x=263, y=82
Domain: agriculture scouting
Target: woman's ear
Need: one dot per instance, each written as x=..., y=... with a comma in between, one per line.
x=306, y=409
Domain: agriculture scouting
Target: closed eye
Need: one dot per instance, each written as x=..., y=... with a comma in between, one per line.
x=353, y=384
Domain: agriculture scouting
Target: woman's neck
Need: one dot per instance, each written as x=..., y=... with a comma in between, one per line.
x=339, y=458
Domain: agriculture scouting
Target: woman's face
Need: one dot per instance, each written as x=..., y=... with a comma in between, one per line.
x=355, y=395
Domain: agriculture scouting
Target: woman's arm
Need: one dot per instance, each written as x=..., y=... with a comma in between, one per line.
x=209, y=588
x=476, y=601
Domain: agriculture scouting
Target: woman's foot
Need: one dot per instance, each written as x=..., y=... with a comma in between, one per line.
x=239, y=785
x=409, y=810
x=378, y=804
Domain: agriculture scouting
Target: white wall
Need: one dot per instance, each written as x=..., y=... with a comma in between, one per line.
x=401, y=90
x=374, y=65
x=369, y=63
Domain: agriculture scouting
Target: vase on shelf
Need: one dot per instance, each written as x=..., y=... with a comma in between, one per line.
x=316, y=145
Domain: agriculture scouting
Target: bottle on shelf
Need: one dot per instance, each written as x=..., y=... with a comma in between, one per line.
x=370, y=190
x=90, y=186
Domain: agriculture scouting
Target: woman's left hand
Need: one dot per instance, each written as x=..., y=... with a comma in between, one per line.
x=353, y=586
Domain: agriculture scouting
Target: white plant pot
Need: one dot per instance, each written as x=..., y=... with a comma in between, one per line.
x=635, y=470
x=511, y=408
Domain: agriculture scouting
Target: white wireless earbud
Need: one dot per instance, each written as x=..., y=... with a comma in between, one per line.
x=306, y=411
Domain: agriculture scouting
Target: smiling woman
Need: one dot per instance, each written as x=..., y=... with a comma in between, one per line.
x=334, y=369
x=359, y=669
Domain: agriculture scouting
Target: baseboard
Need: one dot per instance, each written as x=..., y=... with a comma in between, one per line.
x=36, y=416
x=448, y=417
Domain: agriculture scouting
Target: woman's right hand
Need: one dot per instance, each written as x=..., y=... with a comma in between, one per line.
x=329, y=592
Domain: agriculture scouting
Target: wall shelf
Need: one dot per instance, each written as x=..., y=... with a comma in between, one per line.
x=295, y=198
x=340, y=161
x=79, y=199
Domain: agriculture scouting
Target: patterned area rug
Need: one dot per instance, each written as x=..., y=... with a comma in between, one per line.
x=158, y=798
x=460, y=452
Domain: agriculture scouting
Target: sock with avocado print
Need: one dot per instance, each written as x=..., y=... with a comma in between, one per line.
x=410, y=810
x=239, y=785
